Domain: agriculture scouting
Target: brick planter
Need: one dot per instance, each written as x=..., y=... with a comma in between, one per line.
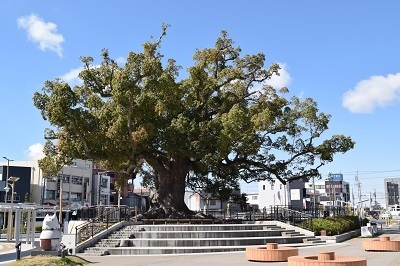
x=270, y=253
x=327, y=259
x=383, y=244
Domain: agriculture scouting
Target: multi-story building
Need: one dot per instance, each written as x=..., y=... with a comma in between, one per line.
x=273, y=194
x=331, y=192
x=392, y=192
x=252, y=200
x=105, y=190
x=17, y=180
x=302, y=195
x=73, y=183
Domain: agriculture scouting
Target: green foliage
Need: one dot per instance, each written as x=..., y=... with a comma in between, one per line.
x=218, y=125
x=333, y=225
x=38, y=229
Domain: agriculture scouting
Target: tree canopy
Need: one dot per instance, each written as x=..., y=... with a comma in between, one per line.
x=219, y=125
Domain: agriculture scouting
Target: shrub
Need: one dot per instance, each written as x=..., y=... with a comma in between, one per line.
x=333, y=225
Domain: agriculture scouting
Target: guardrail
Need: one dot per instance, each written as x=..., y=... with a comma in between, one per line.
x=108, y=217
x=285, y=214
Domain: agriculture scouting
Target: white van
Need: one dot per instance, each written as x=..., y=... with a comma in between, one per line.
x=395, y=210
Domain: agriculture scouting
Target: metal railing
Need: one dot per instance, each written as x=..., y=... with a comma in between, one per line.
x=285, y=214
x=106, y=217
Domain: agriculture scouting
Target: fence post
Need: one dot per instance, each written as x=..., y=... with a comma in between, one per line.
x=107, y=219
x=136, y=213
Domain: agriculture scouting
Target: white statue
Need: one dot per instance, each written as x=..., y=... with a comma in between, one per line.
x=50, y=238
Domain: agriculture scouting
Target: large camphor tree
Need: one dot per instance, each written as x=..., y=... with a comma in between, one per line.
x=218, y=125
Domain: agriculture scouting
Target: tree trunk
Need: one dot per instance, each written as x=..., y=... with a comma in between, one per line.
x=169, y=195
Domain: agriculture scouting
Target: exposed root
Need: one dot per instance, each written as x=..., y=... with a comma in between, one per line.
x=159, y=213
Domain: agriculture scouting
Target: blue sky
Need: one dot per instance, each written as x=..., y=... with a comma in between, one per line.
x=343, y=54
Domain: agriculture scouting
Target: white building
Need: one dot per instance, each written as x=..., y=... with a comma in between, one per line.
x=272, y=194
x=196, y=202
x=252, y=200
x=101, y=189
x=73, y=182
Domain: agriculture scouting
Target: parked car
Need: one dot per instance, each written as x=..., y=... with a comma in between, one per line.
x=395, y=210
x=372, y=215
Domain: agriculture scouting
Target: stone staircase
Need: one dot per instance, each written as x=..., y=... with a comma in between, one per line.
x=197, y=238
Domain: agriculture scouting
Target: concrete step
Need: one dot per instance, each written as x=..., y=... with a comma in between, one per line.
x=99, y=251
x=290, y=234
x=196, y=238
x=313, y=240
x=196, y=227
x=199, y=242
x=199, y=234
x=158, y=250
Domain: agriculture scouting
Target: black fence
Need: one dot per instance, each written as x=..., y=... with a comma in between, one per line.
x=102, y=217
x=99, y=219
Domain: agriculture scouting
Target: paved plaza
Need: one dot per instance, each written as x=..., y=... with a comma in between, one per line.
x=352, y=247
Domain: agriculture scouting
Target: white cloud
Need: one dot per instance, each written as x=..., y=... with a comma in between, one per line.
x=121, y=60
x=43, y=33
x=283, y=80
x=72, y=76
x=377, y=91
x=35, y=152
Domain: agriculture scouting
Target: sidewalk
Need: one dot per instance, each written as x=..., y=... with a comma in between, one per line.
x=8, y=252
x=352, y=247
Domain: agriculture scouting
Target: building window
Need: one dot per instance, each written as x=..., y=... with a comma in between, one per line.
x=76, y=196
x=254, y=197
x=50, y=195
x=213, y=202
x=263, y=187
x=65, y=195
x=103, y=200
x=74, y=164
x=103, y=182
x=77, y=180
x=85, y=189
x=65, y=178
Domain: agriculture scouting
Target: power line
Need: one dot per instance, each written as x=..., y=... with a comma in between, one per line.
x=369, y=172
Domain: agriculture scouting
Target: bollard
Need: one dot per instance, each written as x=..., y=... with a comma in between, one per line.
x=18, y=250
x=62, y=250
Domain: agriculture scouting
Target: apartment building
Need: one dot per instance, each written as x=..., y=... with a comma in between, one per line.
x=391, y=186
x=73, y=184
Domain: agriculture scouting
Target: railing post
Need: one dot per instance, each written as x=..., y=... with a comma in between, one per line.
x=136, y=209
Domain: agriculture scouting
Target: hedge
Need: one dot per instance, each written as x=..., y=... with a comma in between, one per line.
x=333, y=225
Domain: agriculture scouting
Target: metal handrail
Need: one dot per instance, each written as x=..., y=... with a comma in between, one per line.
x=98, y=224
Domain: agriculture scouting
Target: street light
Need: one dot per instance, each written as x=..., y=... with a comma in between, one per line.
x=13, y=179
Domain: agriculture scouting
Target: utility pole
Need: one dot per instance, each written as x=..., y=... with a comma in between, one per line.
x=61, y=195
x=358, y=184
x=331, y=196
x=313, y=181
